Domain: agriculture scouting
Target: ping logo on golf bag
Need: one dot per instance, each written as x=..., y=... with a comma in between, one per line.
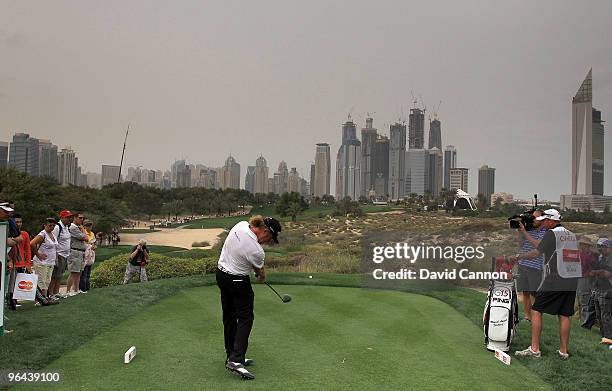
x=502, y=295
x=25, y=285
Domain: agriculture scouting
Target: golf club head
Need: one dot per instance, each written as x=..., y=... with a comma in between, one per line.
x=286, y=298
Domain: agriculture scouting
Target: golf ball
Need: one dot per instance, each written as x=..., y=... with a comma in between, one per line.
x=309, y=276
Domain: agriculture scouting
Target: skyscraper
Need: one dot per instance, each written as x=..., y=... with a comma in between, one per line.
x=435, y=171
x=294, y=183
x=180, y=175
x=249, y=179
x=486, y=182
x=368, y=156
x=261, y=176
x=587, y=142
x=381, y=167
x=348, y=167
x=459, y=179
x=416, y=171
x=48, y=160
x=322, y=176
x=348, y=163
x=435, y=134
x=312, y=180
x=397, y=160
x=416, y=129
x=3, y=154
x=228, y=176
x=587, y=153
x=23, y=154
x=450, y=161
x=281, y=178
x=67, y=167
x=110, y=174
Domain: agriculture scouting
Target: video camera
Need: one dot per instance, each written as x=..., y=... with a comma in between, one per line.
x=527, y=218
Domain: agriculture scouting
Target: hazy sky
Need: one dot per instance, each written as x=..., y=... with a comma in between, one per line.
x=202, y=79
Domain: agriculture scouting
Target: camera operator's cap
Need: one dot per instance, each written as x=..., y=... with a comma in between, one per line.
x=65, y=214
x=273, y=226
x=551, y=214
x=6, y=207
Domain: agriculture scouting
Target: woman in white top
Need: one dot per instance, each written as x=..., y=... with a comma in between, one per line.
x=44, y=247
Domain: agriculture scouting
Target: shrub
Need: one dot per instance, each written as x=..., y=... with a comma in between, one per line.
x=200, y=244
x=112, y=271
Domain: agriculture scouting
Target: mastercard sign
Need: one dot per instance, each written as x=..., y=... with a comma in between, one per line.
x=25, y=285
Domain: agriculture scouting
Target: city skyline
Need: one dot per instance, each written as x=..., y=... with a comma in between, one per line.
x=213, y=80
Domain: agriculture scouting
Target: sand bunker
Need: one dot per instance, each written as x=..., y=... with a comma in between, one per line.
x=175, y=237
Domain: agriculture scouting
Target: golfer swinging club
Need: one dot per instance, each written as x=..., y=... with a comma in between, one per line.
x=241, y=253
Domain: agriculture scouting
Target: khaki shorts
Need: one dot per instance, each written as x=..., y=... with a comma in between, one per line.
x=76, y=261
x=44, y=273
x=59, y=268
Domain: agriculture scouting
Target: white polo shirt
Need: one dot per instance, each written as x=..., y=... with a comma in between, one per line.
x=63, y=239
x=241, y=251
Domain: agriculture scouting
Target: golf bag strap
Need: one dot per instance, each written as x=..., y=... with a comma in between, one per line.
x=488, y=315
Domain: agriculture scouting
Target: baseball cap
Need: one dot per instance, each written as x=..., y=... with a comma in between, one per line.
x=607, y=243
x=551, y=214
x=6, y=207
x=273, y=226
x=65, y=214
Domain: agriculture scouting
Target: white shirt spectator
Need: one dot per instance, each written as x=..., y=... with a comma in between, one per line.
x=241, y=251
x=63, y=239
x=48, y=247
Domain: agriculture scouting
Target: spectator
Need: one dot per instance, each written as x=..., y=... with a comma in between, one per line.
x=62, y=234
x=5, y=211
x=530, y=270
x=139, y=258
x=44, y=246
x=602, y=293
x=13, y=255
x=89, y=257
x=557, y=293
x=78, y=240
x=25, y=255
x=584, y=292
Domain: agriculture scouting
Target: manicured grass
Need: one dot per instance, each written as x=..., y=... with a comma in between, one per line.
x=45, y=334
x=325, y=338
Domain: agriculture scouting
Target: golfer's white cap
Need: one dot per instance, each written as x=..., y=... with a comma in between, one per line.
x=6, y=207
x=551, y=214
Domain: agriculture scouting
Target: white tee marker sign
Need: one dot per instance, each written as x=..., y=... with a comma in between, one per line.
x=503, y=357
x=129, y=355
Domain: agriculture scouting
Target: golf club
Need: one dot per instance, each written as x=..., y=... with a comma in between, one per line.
x=284, y=298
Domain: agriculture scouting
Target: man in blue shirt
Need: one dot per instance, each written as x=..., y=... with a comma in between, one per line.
x=530, y=269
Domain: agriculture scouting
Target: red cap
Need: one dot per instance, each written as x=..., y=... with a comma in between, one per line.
x=65, y=214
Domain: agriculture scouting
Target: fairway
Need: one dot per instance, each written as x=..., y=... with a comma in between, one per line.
x=326, y=338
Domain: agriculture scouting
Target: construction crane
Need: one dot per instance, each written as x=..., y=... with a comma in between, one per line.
x=123, y=153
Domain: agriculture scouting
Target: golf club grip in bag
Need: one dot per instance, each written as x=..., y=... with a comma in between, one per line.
x=500, y=314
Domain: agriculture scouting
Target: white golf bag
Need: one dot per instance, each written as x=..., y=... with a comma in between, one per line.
x=500, y=315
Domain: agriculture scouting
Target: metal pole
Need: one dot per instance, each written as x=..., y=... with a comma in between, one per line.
x=123, y=153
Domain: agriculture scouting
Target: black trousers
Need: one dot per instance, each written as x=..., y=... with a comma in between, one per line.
x=237, y=302
x=85, y=275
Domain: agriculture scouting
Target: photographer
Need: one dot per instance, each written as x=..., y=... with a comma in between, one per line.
x=139, y=259
x=557, y=292
x=602, y=294
x=530, y=269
